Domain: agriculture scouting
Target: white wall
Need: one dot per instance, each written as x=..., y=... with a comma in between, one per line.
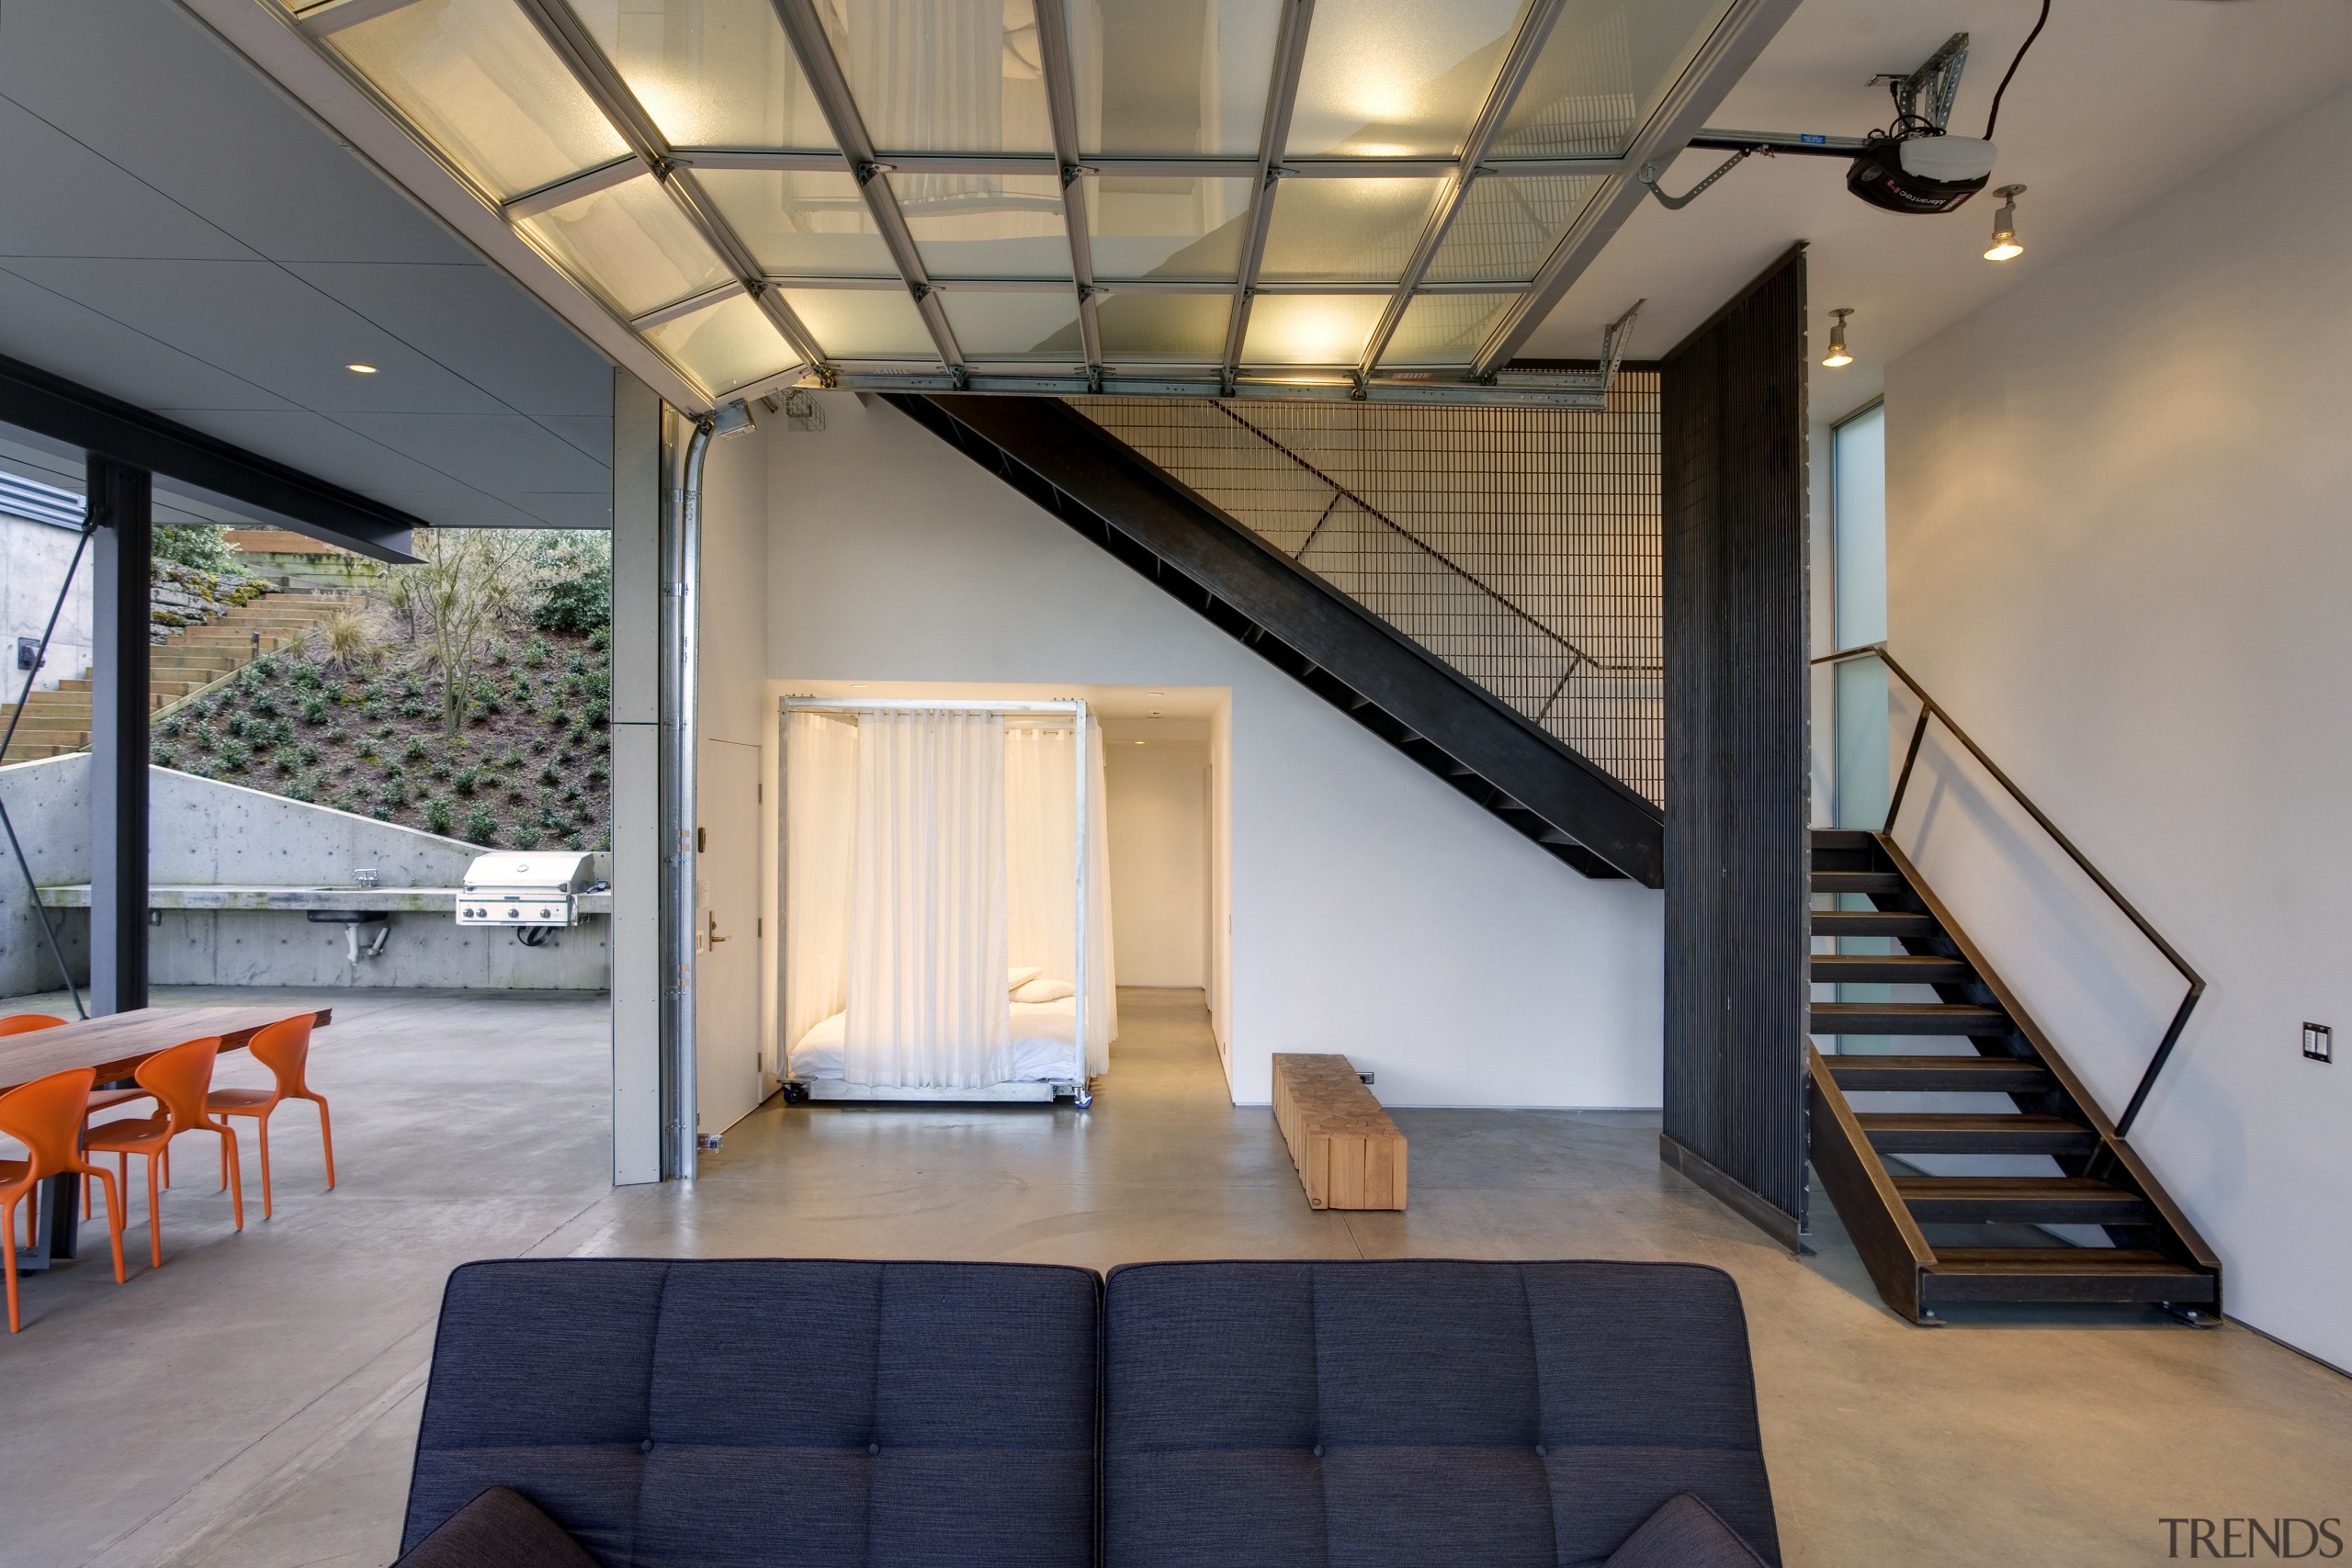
x=1372, y=910
x=2120, y=554
x=1160, y=847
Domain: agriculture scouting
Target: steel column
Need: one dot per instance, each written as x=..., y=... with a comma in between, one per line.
x=122, y=508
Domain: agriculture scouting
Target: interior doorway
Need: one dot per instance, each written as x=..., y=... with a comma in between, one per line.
x=728, y=1086
x=1158, y=790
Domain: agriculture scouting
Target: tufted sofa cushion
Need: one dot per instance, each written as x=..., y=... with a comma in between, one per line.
x=1390, y=1414
x=788, y=1413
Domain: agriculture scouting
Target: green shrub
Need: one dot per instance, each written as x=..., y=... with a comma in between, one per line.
x=286, y=760
x=573, y=589
x=438, y=814
x=482, y=826
x=536, y=652
x=314, y=709
x=346, y=800
x=392, y=794
x=414, y=751
x=163, y=756
x=309, y=753
x=538, y=744
x=376, y=710
x=307, y=677
x=202, y=738
x=464, y=780
x=601, y=639
x=234, y=727
x=366, y=748
x=547, y=773
x=171, y=727
x=412, y=709
x=526, y=836
x=235, y=756
x=339, y=734
x=304, y=789
x=500, y=654
x=264, y=702
x=410, y=685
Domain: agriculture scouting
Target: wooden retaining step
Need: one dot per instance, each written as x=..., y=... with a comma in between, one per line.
x=1349, y=1154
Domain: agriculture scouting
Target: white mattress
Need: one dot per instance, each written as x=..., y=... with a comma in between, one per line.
x=1043, y=1033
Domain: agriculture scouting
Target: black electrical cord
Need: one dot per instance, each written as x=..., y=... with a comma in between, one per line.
x=2042, y=22
x=40, y=657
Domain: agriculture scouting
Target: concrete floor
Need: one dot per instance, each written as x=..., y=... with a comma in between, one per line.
x=254, y=1401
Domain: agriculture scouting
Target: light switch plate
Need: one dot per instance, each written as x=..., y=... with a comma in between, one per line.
x=2319, y=1043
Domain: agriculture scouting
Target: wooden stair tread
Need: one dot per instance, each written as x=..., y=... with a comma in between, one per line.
x=1998, y=1075
x=2023, y=1200
x=1871, y=922
x=1857, y=882
x=1889, y=968
x=1908, y=1132
x=2022, y=1260
x=1907, y=1018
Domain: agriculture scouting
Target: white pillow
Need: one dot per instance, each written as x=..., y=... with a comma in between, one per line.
x=1020, y=978
x=1043, y=990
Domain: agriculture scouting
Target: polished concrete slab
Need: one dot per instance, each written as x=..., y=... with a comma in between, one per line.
x=254, y=1402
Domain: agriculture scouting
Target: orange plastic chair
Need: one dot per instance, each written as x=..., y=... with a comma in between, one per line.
x=45, y=1115
x=179, y=1078
x=285, y=1050
x=26, y=1023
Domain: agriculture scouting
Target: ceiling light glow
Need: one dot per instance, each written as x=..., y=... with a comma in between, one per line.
x=1837, y=355
x=358, y=369
x=2004, y=226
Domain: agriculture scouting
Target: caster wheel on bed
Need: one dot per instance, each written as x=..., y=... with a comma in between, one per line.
x=796, y=1094
x=1082, y=1099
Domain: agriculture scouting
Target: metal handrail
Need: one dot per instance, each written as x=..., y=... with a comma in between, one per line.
x=1929, y=708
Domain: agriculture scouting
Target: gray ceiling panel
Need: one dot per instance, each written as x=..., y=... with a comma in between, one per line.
x=42, y=327
x=499, y=453
x=482, y=324
x=175, y=232
x=268, y=323
x=61, y=199
x=146, y=85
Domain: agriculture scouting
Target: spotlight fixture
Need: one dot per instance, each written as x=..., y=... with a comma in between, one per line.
x=1837, y=355
x=2005, y=225
x=358, y=369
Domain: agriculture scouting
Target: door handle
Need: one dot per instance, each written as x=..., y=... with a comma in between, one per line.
x=713, y=936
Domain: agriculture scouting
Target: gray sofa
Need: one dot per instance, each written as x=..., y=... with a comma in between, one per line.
x=801, y=1414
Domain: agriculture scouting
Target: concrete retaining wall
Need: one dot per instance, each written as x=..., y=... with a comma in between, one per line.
x=208, y=833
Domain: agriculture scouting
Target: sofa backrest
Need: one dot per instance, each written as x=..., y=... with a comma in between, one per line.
x=1421, y=1412
x=791, y=1414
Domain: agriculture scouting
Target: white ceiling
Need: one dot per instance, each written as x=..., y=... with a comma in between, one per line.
x=176, y=232
x=2118, y=101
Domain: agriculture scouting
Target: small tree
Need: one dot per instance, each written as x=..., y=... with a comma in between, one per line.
x=466, y=588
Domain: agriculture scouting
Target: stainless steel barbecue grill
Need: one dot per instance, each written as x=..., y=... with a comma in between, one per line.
x=524, y=889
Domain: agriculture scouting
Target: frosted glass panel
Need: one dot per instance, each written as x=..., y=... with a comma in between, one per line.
x=985, y=225
x=942, y=75
x=798, y=223
x=1397, y=78
x=1164, y=328
x=711, y=73
x=1858, y=512
x=864, y=324
x=726, y=346
x=1345, y=231
x=633, y=244
x=1506, y=226
x=1601, y=72
x=1015, y=326
x=1310, y=329
x=1173, y=75
x=1148, y=227
x=1444, y=329
x=476, y=77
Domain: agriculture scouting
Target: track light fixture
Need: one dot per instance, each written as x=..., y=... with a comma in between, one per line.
x=2004, y=226
x=1837, y=355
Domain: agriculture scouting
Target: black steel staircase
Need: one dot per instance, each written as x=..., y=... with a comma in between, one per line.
x=1932, y=1240
x=1301, y=624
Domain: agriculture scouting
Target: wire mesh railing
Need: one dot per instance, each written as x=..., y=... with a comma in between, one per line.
x=1520, y=546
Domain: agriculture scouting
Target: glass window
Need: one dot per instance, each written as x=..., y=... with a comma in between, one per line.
x=1187, y=329
x=800, y=223
x=1397, y=78
x=711, y=73
x=1332, y=230
x=1506, y=226
x=1858, y=557
x=989, y=324
x=1149, y=227
x=1310, y=329
x=633, y=244
x=478, y=79
x=985, y=225
x=942, y=75
x=864, y=324
x=1172, y=76
x=1602, y=70
x=729, y=345
x=1444, y=329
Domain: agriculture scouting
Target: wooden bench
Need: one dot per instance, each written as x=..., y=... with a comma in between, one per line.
x=1349, y=1154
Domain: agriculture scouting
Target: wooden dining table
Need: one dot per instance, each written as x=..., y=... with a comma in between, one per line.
x=115, y=1045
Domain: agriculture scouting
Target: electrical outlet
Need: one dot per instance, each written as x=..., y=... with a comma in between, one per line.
x=2319, y=1043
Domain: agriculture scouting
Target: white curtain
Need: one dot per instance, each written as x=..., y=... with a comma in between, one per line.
x=1041, y=832
x=927, y=1002
x=820, y=824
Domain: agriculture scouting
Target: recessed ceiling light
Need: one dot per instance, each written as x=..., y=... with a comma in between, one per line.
x=857, y=688
x=1155, y=693
x=358, y=369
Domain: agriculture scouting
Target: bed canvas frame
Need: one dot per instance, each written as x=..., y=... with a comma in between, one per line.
x=1078, y=1090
